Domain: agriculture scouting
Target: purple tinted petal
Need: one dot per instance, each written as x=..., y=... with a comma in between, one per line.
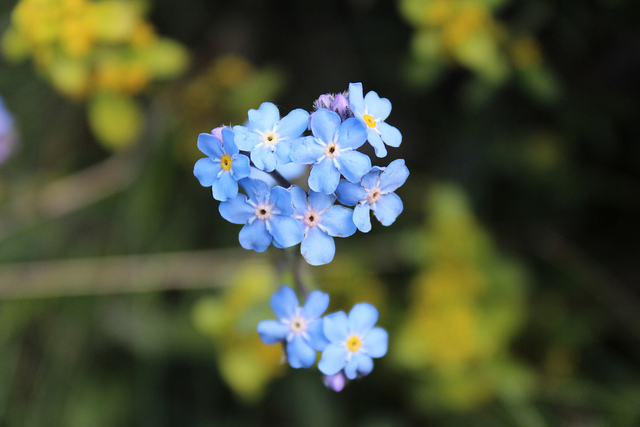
x=299, y=353
x=229, y=145
x=362, y=318
x=333, y=359
x=350, y=193
x=389, y=134
x=206, y=170
x=240, y=167
x=361, y=218
x=376, y=142
x=324, y=177
x=364, y=363
x=335, y=382
x=320, y=201
x=325, y=125
x=272, y=331
x=353, y=133
x=393, y=176
x=356, y=98
x=317, y=247
x=336, y=327
x=210, y=145
x=317, y=303
x=387, y=208
x=237, y=210
x=353, y=165
x=255, y=236
x=284, y=302
x=265, y=117
x=338, y=221
x=257, y=190
x=286, y=230
x=376, y=342
x=379, y=108
x=306, y=151
x=225, y=187
x=293, y=124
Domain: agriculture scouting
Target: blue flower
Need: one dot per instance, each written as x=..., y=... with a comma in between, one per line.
x=375, y=192
x=320, y=220
x=372, y=112
x=299, y=327
x=7, y=133
x=266, y=215
x=268, y=137
x=224, y=166
x=331, y=150
x=354, y=341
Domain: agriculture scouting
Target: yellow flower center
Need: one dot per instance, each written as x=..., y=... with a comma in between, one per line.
x=369, y=120
x=354, y=343
x=269, y=138
x=225, y=162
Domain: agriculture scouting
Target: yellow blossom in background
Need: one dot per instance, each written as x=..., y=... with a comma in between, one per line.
x=88, y=49
x=466, y=305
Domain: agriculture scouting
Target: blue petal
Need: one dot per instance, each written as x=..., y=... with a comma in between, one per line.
x=272, y=331
x=281, y=198
x=350, y=193
x=255, y=236
x=376, y=142
x=362, y=318
x=320, y=201
x=356, y=99
x=229, y=146
x=225, y=187
x=389, y=134
x=351, y=368
x=240, y=167
x=265, y=117
x=372, y=178
x=286, y=230
x=376, y=342
x=257, y=190
x=237, y=210
x=283, y=152
x=361, y=218
x=364, y=363
x=333, y=359
x=206, y=170
x=284, y=302
x=324, y=177
x=299, y=353
x=338, y=221
x=353, y=165
x=317, y=340
x=393, y=176
x=263, y=158
x=353, y=133
x=317, y=303
x=317, y=247
x=244, y=138
x=325, y=125
x=210, y=145
x=306, y=151
x=298, y=199
x=387, y=208
x=379, y=108
x=293, y=124
x=336, y=327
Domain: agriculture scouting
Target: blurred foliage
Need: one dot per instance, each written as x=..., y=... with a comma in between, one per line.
x=508, y=284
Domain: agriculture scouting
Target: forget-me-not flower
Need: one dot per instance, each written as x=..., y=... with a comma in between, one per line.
x=224, y=165
x=332, y=151
x=266, y=215
x=372, y=111
x=375, y=192
x=300, y=328
x=268, y=137
x=321, y=220
x=354, y=341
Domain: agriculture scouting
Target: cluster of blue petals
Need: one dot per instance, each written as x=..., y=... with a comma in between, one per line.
x=327, y=143
x=348, y=343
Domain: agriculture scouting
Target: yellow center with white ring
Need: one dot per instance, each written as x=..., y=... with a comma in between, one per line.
x=225, y=162
x=269, y=138
x=354, y=343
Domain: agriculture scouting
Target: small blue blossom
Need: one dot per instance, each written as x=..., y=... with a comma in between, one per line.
x=224, y=165
x=332, y=151
x=372, y=112
x=268, y=137
x=266, y=215
x=375, y=192
x=321, y=220
x=354, y=341
x=299, y=327
x=7, y=133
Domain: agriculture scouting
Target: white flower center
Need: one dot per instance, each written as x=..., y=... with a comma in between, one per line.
x=298, y=324
x=373, y=195
x=332, y=150
x=263, y=211
x=311, y=218
x=270, y=138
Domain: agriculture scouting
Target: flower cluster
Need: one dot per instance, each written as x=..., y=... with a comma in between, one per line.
x=327, y=140
x=348, y=343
